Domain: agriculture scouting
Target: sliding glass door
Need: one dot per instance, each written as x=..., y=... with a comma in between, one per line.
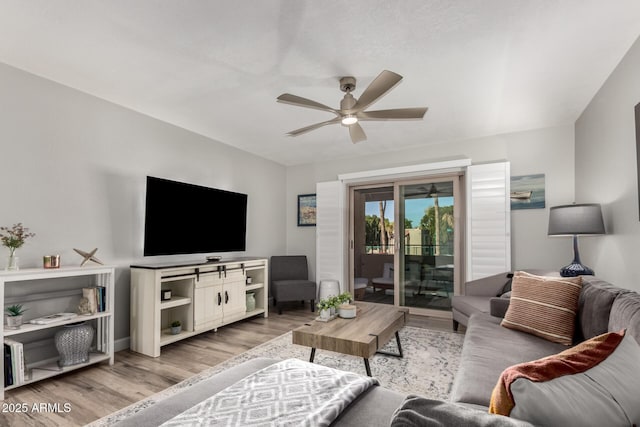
x=426, y=256
x=405, y=243
x=373, y=243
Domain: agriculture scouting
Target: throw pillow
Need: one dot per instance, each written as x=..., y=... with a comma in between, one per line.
x=544, y=306
x=595, y=383
x=507, y=286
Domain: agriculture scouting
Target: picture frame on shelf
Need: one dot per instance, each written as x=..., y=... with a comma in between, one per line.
x=306, y=210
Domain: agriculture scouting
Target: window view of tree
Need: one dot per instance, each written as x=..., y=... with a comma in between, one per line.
x=440, y=236
x=379, y=234
x=435, y=240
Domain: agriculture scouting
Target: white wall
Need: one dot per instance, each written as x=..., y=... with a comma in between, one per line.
x=548, y=151
x=606, y=173
x=73, y=168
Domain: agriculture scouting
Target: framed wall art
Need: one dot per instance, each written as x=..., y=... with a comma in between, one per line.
x=527, y=192
x=306, y=210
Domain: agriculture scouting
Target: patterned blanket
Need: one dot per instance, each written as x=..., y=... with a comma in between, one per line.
x=287, y=393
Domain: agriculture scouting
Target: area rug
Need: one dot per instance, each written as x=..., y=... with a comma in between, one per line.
x=430, y=361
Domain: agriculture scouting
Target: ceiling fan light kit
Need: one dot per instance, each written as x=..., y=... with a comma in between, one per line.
x=352, y=110
x=349, y=119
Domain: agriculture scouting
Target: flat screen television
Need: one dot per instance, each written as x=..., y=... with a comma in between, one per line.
x=183, y=218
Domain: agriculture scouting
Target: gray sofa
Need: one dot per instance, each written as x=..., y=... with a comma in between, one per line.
x=488, y=349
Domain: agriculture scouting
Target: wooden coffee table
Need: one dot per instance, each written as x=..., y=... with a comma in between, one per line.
x=373, y=327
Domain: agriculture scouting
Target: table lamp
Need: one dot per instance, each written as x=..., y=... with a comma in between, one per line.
x=576, y=220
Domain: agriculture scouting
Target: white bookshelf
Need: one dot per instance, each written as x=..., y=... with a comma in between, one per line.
x=48, y=291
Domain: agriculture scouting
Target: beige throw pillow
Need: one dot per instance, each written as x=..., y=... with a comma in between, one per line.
x=544, y=306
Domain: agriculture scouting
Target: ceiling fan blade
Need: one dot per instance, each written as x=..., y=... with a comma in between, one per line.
x=287, y=98
x=382, y=84
x=313, y=127
x=395, y=114
x=357, y=133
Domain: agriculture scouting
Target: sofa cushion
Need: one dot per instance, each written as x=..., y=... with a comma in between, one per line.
x=625, y=313
x=594, y=306
x=293, y=290
x=471, y=304
x=375, y=407
x=499, y=306
x=594, y=383
x=420, y=412
x=488, y=350
x=158, y=411
x=544, y=306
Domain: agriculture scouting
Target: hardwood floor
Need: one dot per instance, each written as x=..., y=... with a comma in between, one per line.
x=85, y=395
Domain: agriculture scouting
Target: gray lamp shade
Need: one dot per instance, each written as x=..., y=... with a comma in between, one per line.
x=572, y=220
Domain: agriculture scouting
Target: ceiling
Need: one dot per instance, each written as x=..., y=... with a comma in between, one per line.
x=215, y=68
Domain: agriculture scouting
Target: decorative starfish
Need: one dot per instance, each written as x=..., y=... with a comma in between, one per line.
x=88, y=256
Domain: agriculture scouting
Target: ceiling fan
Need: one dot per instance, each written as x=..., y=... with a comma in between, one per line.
x=432, y=192
x=425, y=192
x=352, y=110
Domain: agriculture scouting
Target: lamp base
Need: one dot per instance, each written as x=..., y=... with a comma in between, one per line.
x=576, y=269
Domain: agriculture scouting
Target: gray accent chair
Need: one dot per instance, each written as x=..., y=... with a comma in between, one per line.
x=289, y=277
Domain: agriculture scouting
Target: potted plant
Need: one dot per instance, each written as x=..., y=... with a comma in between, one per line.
x=334, y=302
x=14, y=315
x=345, y=298
x=13, y=238
x=345, y=308
x=324, y=308
x=176, y=327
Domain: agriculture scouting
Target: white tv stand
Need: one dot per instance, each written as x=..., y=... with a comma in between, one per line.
x=204, y=296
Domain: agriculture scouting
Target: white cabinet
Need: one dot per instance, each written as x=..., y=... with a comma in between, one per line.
x=235, y=301
x=48, y=291
x=208, y=306
x=204, y=296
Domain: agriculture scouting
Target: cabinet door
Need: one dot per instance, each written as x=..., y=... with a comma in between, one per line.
x=235, y=303
x=208, y=305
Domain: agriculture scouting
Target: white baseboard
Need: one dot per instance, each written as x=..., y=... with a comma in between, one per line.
x=121, y=344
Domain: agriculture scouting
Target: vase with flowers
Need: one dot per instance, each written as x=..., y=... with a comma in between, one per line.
x=13, y=238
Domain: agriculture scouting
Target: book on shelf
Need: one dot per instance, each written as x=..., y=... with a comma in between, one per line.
x=51, y=318
x=96, y=297
x=102, y=292
x=92, y=299
x=8, y=366
x=17, y=361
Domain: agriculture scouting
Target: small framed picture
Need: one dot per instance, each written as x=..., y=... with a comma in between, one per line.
x=306, y=210
x=527, y=192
